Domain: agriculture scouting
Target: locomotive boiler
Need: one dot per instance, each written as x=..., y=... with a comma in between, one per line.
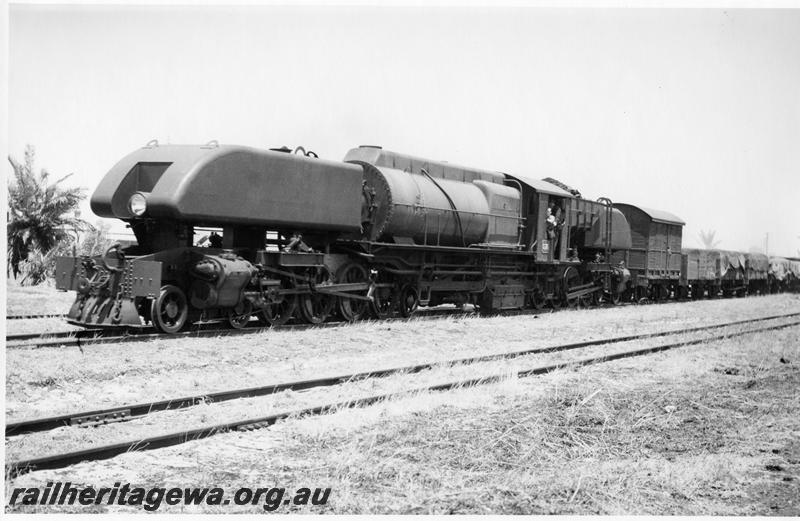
x=305, y=238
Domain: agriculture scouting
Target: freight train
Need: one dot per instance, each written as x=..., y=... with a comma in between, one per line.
x=303, y=238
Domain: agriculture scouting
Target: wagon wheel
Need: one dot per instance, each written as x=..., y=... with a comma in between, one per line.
x=571, y=279
x=239, y=316
x=279, y=311
x=409, y=300
x=657, y=293
x=352, y=309
x=315, y=308
x=169, y=311
x=641, y=295
x=629, y=295
x=615, y=297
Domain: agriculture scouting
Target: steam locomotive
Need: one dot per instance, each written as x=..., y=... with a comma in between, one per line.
x=379, y=233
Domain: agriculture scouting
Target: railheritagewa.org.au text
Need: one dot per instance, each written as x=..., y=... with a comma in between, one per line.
x=151, y=499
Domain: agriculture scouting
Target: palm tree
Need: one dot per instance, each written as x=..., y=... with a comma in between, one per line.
x=707, y=238
x=40, y=214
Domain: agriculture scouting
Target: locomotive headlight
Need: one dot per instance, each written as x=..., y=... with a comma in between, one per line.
x=137, y=204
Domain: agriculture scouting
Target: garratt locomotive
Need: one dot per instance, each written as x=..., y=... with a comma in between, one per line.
x=306, y=238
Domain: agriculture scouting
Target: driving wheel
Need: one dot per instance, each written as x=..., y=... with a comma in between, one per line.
x=352, y=309
x=315, y=308
x=279, y=310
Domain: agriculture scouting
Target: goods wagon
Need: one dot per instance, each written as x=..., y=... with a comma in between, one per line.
x=731, y=271
x=757, y=272
x=654, y=258
x=713, y=272
x=784, y=274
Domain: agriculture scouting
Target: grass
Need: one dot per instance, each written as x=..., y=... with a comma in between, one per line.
x=703, y=430
x=105, y=375
x=661, y=440
x=36, y=300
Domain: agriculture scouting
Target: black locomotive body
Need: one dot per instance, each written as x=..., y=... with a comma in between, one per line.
x=306, y=238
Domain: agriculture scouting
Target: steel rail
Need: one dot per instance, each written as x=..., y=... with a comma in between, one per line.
x=79, y=337
x=113, y=336
x=128, y=412
x=83, y=333
x=27, y=317
x=136, y=334
x=54, y=461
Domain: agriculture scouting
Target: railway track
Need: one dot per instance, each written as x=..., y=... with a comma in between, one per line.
x=30, y=317
x=77, y=333
x=63, y=315
x=83, y=337
x=127, y=412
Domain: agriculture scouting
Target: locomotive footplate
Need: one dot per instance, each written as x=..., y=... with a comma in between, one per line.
x=290, y=259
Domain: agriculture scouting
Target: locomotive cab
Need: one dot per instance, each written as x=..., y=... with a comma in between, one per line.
x=537, y=198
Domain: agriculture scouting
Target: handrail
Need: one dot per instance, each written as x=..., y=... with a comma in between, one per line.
x=452, y=205
x=609, y=220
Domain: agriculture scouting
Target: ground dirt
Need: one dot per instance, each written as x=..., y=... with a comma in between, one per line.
x=704, y=429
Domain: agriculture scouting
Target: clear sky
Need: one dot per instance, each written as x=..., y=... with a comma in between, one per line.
x=692, y=111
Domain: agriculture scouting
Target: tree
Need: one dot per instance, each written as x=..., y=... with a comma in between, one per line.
x=707, y=238
x=41, y=215
x=97, y=240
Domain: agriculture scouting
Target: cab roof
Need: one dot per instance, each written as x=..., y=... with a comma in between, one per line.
x=541, y=186
x=658, y=216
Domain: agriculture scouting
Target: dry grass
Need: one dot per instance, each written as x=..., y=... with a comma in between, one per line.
x=105, y=375
x=41, y=326
x=36, y=300
x=64, y=440
x=712, y=429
